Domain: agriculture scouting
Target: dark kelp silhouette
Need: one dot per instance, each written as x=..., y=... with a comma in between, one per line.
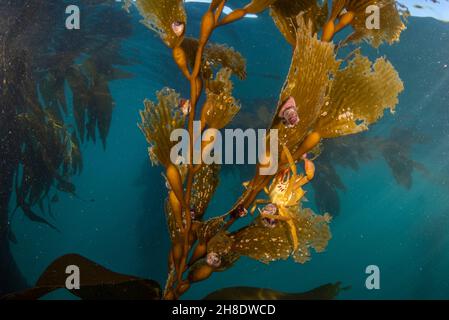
x=99, y=283
x=40, y=148
x=96, y=283
x=325, y=292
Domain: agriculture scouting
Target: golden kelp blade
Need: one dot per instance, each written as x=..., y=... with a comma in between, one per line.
x=173, y=229
x=159, y=121
x=307, y=82
x=266, y=244
x=207, y=229
x=215, y=56
x=360, y=94
x=284, y=13
x=159, y=16
x=391, y=24
x=313, y=232
x=223, y=245
x=261, y=243
x=204, y=185
x=220, y=107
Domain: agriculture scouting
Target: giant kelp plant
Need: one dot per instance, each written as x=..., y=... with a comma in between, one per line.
x=40, y=129
x=324, y=97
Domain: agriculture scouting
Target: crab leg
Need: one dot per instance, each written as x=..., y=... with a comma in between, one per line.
x=273, y=217
x=309, y=168
x=257, y=202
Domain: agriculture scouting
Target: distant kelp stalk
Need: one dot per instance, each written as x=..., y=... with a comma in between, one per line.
x=40, y=147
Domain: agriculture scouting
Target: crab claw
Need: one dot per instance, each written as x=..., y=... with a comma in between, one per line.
x=309, y=168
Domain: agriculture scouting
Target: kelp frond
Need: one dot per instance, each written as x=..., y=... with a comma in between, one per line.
x=160, y=15
x=220, y=106
x=204, y=185
x=158, y=122
x=50, y=155
x=92, y=99
x=360, y=94
x=215, y=56
x=207, y=229
x=391, y=23
x=220, y=55
x=266, y=244
x=223, y=245
x=309, y=78
x=284, y=13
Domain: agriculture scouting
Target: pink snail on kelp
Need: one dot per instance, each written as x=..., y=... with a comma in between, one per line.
x=213, y=259
x=289, y=113
x=267, y=211
x=178, y=28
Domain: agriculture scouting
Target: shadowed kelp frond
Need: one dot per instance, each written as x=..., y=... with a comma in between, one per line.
x=360, y=94
x=353, y=151
x=158, y=122
x=97, y=283
x=93, y=103
x=51, y=154
x=220, y=107
x=308, y=82
x=284, y=13
x=325, y=292
x=164, y=17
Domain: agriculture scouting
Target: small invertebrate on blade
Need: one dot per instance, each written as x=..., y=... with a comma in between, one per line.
x=213, y=259
x=184, y=105
x=269, y=210
x=239, y=212
x=178, y=28
x=289, y=113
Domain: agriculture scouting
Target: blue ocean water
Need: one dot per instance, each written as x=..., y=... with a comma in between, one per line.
x=403, y=231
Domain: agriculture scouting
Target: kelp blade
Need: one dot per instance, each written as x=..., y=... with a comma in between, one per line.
x=325, y=292
x=96, y=282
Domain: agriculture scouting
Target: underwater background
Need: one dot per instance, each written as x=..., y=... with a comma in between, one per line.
x=389, y=193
